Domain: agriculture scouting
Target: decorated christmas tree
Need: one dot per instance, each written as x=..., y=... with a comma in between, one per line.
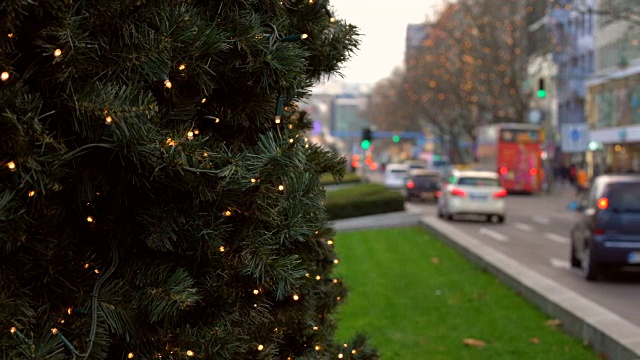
x=158, y=196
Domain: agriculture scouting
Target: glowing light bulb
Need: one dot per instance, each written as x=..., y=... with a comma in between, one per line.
x=96, y=271
x=330, y=242
x=13, y=330
x=204, y=100
x=86, y=266
x=336, y=261
x=10, y=35
x=57, y=53
x=32, y=193
x=338, y=298
x=340, y=356
x=167, y=83
x=217, y=120
x=253, y=180
x=332, y=19
x=280, y=187
x=227, y=213
x=318, y=277
x=4, y=76
x=69, y=310
x=108, y=120
x=345, y=345
x=222, y=249
x=182, y=67
x=54, y=331
x=190, y=135
x=335, y=281
x=315, y=328
x=130, y=355
x=11, y=165
x=260, y=347
x=190, y=353
x=296, y=297
x=290, y=140
x=170, y=142
x=318, y=347
x=354, y=351
x=304, y=36
x=256, y=292
x=278, y=119
x=196, y=131
x=90, y=219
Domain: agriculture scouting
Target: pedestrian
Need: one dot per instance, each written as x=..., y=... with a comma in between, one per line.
x=582, y=181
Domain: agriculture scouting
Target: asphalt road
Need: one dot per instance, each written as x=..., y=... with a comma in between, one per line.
x=536, y=234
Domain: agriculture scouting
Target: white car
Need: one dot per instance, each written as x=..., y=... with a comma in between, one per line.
x=470, y=192
x=395, y=175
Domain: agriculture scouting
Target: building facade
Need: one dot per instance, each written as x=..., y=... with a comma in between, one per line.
x=613, y=98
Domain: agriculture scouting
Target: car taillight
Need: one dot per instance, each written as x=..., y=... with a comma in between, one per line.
x=410, y=184
x=598, y=232
x=499, y=194
x=503, y=170
x=603, y=203
x=438, y=193
x=458, y=192
x=533, y=171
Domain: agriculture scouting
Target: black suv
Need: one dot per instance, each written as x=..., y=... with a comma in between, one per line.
x=607, y=233
x=423, y=184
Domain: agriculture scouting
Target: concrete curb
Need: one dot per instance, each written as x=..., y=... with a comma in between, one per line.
x=607, y=333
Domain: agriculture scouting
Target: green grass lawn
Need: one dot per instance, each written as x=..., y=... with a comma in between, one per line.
x=419, y=299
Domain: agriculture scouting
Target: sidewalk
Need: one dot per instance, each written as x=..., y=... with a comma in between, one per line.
x=607, y=333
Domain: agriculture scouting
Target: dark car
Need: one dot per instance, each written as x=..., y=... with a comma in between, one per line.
x=607, y=233
x=422, y=184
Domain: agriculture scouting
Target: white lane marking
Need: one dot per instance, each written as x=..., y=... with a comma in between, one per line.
x=493, y=234
x=560, y=264
x=542, y=220
x=523, y=226
x=557, y=238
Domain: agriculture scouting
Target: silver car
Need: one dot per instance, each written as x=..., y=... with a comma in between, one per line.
x=470, y=192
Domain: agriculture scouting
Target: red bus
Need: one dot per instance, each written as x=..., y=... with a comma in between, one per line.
x=514, y=151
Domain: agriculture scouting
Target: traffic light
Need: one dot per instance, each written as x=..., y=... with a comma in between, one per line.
x=542, y=92
x=366, y=138
x=396, y=138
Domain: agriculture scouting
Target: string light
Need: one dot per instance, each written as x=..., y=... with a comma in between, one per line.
x=57, y=53
x=318, y=277
x=260, y=347
x=281, y=187
x=108, y=120
x=253, y=180
x=318, y=347
x=204, y=100
x=222, y=248
x=13, y=330
x=340, y=356
x=316, y=328
x=182, y=67
x=96, y=271
x=69, y=310
x=190, y=353
x=354, y=351
x=170, y=142
x=90, y=219
x=54, y=331
x=256, y=292
x=11, y=165
x=336, y=261
x=4, y=76
x=130, y=355
x=227, y=213
x=167, y=83
x=296, y=297
x=190, y=135
x=330, y=242
x=10, y=35
x=196, y=131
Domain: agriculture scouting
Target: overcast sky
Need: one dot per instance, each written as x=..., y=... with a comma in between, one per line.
x=383, y=25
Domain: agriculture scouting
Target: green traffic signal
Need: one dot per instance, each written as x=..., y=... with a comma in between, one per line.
x=542, y=93
x=365, y=144
x=396, y=138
